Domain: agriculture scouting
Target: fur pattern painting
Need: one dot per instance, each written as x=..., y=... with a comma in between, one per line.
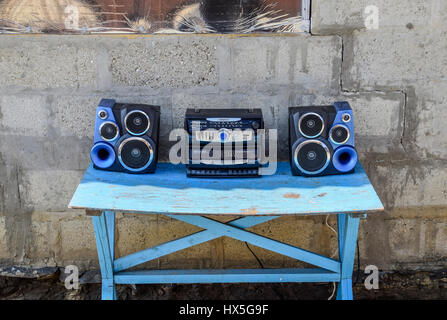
x=149, y=16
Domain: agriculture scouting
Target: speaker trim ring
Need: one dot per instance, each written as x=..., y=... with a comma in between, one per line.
x=343, y=118
x=322, y=127
x=148, y=122
x=302, y=144
x=339, y=126
x=105, y=116
x=148, y=145
x=117, y=131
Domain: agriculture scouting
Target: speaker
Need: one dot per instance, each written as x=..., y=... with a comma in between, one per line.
x=321, y=140
x=126, y=137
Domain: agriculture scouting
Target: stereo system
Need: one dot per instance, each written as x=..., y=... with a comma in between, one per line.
x=321, y=140
x=126, y=137
x=223, y=142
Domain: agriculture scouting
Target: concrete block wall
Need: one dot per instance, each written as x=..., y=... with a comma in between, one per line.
x=394, y=77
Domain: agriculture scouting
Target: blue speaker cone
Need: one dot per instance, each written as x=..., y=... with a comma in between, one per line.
x=102, y=155
x=345, y=159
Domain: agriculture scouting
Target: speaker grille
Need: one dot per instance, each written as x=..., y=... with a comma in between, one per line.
x=135, y=154
x=312, y=156
x=137, y=122
x=109, y=131
x=339, y=134
x=311, y=125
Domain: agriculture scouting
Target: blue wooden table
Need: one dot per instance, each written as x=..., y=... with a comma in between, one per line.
x=252, y=201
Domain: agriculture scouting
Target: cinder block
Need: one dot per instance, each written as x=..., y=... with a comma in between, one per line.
x=135, y=233
x=9, y=194
x=254, y=61
x=4, y=252
x=74, y=116
x=308, y=63
x=200, y=255
x=292, y=230
x=39, y=244
x=377, y=114
x=157, y=62
x=373, y=241
x=427, y=119
x=40, y=63
x=48, y=190
x=23, y=115
x=405, y=239
x=333, y=16
x=40, y=153
x=394, y=60
x=441, y=238
x=78, y=240
x=319, y=64
x=413, y=184
x=378, y=119
x=417, y=242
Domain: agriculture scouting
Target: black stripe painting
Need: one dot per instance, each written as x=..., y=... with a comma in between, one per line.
x=150, y=16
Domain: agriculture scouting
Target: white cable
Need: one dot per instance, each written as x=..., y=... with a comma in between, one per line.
x=333, y=291
x=334, y=231
x=333, y=255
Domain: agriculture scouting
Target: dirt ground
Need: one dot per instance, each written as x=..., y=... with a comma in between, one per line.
x=393, y=286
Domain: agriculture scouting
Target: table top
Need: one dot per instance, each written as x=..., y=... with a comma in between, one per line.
x=169, y=191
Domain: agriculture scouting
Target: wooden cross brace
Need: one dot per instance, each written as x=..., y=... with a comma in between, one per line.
x=329, y=270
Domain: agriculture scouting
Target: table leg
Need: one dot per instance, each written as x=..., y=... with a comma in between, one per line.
x=104, y=226
x=347, y=239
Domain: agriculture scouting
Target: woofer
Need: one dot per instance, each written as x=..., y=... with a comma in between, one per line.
x=137, y=122
x=312, y=157
x=135, y=154
x=311, y=125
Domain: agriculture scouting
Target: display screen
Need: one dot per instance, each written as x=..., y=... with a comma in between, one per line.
x=150, y=16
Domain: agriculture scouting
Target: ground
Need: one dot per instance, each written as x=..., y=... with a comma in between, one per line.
x=393, y=286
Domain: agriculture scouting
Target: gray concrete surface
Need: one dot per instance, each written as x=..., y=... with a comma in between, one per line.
x=394, y=77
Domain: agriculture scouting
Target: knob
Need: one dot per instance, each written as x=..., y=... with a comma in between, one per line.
x=255, y=125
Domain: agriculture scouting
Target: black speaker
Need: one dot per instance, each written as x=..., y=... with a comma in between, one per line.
x=321, y=140
x=126, y=137
x=234, y=134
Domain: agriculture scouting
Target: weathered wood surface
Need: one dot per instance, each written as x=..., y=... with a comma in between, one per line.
x=169, y=191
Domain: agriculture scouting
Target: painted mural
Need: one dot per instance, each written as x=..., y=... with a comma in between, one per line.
x=150, y=16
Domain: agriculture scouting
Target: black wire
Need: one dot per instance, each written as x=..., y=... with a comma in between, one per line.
x=358, y=264
x=254, y=255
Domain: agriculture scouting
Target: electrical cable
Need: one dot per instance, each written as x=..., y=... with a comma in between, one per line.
x=358, y=258
x=333, y=255
x=358, y=264
x=254, y=255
